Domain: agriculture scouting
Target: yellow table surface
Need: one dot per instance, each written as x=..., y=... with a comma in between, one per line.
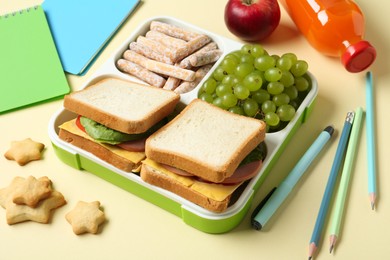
x=136, y=229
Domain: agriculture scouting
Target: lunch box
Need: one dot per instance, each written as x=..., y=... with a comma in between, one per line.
x=189, y=212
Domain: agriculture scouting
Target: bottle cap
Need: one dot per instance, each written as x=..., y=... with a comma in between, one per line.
x=358, y=56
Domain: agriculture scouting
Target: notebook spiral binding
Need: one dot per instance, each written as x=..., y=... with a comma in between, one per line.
x=21, y=11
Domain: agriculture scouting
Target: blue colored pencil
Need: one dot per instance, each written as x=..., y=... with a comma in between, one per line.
x=337, y=163
x=371, y=149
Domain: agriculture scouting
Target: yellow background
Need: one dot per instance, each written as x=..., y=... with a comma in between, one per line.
x=137, y=229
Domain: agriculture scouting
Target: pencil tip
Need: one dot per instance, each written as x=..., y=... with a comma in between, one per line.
x=372, y=200
x=312, y=249
x=332, y=240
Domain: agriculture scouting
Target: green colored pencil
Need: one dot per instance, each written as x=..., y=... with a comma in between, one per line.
x=345, y=177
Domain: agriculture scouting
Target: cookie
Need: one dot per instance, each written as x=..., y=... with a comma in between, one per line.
x=6, y=194
x=24, y=151
x=86, y=217
x=19, y=213
x=31, y=191
x=41, y=213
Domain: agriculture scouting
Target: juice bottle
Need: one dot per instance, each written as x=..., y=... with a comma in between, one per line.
x=334, y=28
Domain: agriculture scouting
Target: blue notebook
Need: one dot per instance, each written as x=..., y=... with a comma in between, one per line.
x=81, y=29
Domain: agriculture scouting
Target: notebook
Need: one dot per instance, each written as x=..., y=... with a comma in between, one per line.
x=81, y=29
x=30, y=68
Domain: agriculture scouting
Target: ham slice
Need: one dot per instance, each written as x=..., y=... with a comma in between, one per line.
x=241, y=174
x=176, y=170
x=244, y=172
x=133, y=146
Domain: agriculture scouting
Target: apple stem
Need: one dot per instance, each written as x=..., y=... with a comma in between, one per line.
x=247, y=2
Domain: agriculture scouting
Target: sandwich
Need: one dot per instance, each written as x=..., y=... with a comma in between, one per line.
x=204, y=154
x=113, y=118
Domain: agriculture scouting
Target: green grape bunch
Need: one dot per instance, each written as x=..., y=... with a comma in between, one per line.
x=253, y=83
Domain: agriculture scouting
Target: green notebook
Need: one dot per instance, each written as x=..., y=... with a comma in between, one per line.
x=30, y=68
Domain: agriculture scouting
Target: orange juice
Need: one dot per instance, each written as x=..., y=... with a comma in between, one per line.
x=334, y=28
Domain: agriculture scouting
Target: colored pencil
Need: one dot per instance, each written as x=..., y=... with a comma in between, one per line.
x=371, y=149
x=340, y=153
x=287, y=185
x=345, y=178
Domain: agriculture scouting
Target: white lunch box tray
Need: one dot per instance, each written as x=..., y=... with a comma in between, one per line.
x=189, y=212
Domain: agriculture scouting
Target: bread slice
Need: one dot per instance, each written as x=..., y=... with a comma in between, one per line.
x=98, y=150
x=122, y=105
x=125, y=160
x=206, y=141
x=156, y=177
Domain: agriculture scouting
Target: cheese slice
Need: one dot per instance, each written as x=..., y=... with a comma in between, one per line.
x=218, y=192
x=135, y=157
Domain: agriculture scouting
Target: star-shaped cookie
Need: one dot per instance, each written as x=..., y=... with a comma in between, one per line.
x=6, y=194
x=18, y=213
x=24, y=151
x=41, y=213
x=32, y=190
x=86, y=217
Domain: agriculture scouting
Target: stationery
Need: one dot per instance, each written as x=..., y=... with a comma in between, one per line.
x=81, y=29
x=345, y=178
x=371, y=145
x=263, y=214
x=255, y=223
x=30, y=69
x=340, y=153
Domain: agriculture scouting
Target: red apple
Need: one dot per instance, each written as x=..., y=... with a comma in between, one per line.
x=252, y=20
